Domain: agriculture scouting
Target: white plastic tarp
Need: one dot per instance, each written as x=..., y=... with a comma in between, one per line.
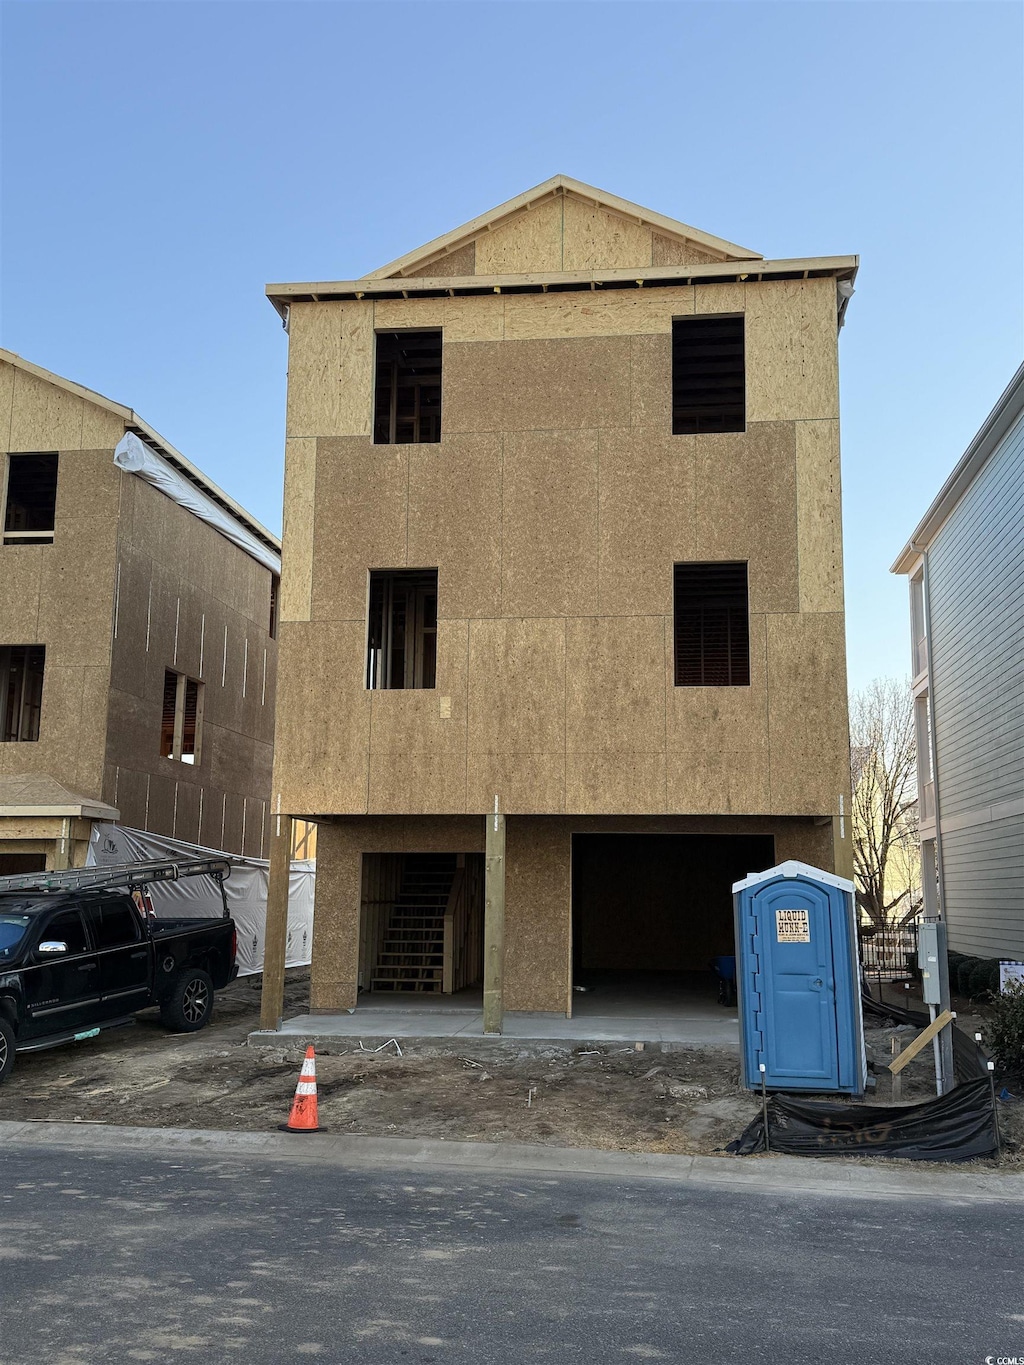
x=199, y=897
x=136, y=457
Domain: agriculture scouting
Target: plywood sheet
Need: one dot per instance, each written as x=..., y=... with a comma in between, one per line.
x=731, y=719
x=650, y=389
x=461, y=261
x=321, y=761
x=455, y=520
x=677, y=251
x=621, y=312
x=21, y=568
x=615, y=684
x=330, y=369
x=297, y=537
x=360, y=522
x=523, y=783
x=44, y=417
x=528, y=243
x=397, y=315
x=647, y=518
x=615, y=781
x=745, y=488
x=594, y=239
x=720, y=298
x=101, y=429
x=819, y=516
x=405, y=721
x=335, y=971
x=7, y=372
x=579, y=382
x=474, y=319
x=517, y=686
x=718, y=781
x=549, y=524
x=791, y=347
x=538, y=917
x=808, y=733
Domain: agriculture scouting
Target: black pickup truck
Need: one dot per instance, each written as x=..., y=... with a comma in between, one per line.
x=78, y=959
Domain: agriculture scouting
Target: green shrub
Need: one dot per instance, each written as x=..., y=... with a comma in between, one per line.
x=963, y=974
x=1005, y=1016
x=985, y=977
x=953, y=960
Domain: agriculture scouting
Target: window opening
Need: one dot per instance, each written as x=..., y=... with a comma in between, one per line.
x=275, y=604
x=21, y=691
x=712, y=630
x=181, y=717
x=402, y=635
x=31, y=499
x=407, y=389
x=708, y=386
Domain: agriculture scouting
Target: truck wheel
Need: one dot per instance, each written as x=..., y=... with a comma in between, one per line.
x=6, y=1048
x=190, y=1002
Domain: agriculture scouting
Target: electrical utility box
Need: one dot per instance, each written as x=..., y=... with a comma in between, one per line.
x=798, y=981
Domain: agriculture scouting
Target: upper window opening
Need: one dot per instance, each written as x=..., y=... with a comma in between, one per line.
x=31, y=499
x=275, y=605
x=407, y=391
x=21, y=691
x=712, y=630
x=402, y=636
x=182, y=719
x=708, y=387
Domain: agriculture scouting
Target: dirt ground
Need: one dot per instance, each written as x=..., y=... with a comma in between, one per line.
x=618, y=1098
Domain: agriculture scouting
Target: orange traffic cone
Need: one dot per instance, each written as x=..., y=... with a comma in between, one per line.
x=303, y=1118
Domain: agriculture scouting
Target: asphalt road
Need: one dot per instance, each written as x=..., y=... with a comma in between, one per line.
x=124, y=1256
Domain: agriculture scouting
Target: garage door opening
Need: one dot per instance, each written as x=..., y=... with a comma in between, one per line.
x=421, y=925
x=650, y=915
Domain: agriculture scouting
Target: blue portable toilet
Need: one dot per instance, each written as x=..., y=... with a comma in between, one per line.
x=798, y=981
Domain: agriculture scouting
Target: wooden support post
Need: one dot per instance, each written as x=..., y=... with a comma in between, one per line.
x=276, y=938
x=494, y=922
x=62, y=858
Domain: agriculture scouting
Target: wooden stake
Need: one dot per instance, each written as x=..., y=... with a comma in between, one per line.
x=897, y=1079
x=276, y=938
x=494, y=922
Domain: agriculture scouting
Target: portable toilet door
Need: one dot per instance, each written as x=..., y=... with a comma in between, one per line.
x=798, y=981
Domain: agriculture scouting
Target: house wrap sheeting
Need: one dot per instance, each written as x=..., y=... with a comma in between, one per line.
x=199, y=898
x=134, y=456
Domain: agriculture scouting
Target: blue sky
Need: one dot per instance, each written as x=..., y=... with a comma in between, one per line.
x=163, y=161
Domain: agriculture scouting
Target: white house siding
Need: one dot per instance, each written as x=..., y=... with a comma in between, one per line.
x=976, y=591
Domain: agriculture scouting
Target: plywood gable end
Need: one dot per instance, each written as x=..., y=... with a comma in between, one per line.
x=563, y=225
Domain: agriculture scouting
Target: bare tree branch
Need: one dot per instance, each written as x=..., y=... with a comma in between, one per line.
x=883, y=766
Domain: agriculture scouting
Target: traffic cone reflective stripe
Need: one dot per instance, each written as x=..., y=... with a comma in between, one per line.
x=303, y=1118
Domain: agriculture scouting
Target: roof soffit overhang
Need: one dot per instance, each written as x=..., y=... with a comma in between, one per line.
x=559, y=186
x=645, y=277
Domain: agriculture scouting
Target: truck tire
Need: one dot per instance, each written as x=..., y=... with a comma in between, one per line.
x=6, y=1048
x=188, y=1005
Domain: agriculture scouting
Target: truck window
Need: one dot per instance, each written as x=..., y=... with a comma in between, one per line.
x=115, y=922
x=67, y=927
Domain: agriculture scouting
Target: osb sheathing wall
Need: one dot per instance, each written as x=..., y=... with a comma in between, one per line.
x=538, y=910
x=62, y=595
x=190, y=601
x=554, y=507
x=131, y=585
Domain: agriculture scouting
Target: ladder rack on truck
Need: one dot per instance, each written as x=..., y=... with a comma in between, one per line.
x=126, y=875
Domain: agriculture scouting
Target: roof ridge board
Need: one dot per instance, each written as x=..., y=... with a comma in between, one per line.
x=441, y=246
x=133, y=421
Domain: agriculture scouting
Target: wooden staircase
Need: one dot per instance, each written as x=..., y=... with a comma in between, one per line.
x=411, y=956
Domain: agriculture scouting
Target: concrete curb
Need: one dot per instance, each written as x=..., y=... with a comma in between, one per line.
x=767, y=1174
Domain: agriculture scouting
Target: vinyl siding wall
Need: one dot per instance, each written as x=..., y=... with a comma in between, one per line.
x=976, y=568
